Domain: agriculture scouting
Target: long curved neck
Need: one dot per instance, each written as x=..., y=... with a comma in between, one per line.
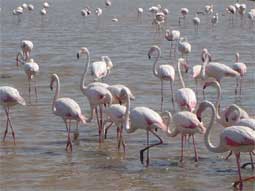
x=203, y=68
x=237, y=57
x=56, y=93
x=169, y=120
x=156, y=65
x=217, y=104
x=83, y=87
x=126, y=122
x=216, y=149
x=180, y=74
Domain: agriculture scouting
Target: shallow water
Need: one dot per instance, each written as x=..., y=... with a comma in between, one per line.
x=39, y=160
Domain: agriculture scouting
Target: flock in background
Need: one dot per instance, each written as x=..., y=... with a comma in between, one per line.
x=111, y=104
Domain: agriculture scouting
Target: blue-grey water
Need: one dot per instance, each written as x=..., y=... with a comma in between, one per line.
x=39, y=160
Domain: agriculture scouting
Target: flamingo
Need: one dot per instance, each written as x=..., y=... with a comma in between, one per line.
x=196, y=22
x=143, y=118
x=241, y=68
x=159, y=20
x=66, y=108
x=116, y=114
x=115, y=91
x=184, y=13
x=251, y=16
x=46, y=5
x=97, y=94
x=221, y=116
x=18, y=11
x=98, y=11
x=108, y=3
x=163, y=72
x=31, y=69
x=196, y=74
x=215, y=19
x=84, y=12
x=115, y=20
x=43, y=11
x=30, y=7
x=242, y=10
x=232, y=10
x=172, y=36
x=139, y=13
x=209, y=9
x=184, y=47
x=24, y=6
x=214, y=69
x=26, y=47
x=185, y=97
x=9, y=97
x=240, y=121
x=187, y=123
x=100, y=69
x=235, y=138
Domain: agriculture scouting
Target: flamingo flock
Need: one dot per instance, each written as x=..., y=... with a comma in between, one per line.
x=110, y=104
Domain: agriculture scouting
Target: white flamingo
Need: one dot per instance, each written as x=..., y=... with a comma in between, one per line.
x=235, y=138
x=26, y=47
x=185, y=97
x=184, y=47
x=97, y=94
x=66, y=108
x=146, y=119
x=196, y=22
x=100, y=69
x=172, y=36
x=139, y=13
x=30, y=7
x=215, y=19
x=43, y=11
x=115, y=91
x=9, y=97
x=164, y=72
x=108, y=3
x=46, y=5
x=184, y=13
x=31, y=69
x=241, y=68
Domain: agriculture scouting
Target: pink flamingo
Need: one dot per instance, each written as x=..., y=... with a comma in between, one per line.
x=184, y=13
x=26, y=47
x=214, y=69
x=239, y=121
x=235, y=138
x=97, y=94
x=143, y=118
x=31, y=69
x=186, y=123
x=100, y=69
x=221, y=116
x=66, y=108
x=172, y=36
x=185, y=97
x=163, y=72
x=108, y=3
x=241, y=68
x=9, y=97
x=116, y=114
x=115, y=91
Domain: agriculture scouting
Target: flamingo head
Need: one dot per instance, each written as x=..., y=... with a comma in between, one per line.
x=53, y=78
x=210, y=82
x=83, y=50
x=205, y=53
x=237, y=56
x=202, y=106
x=108, y=62
x=124, y=94
x=153, y=49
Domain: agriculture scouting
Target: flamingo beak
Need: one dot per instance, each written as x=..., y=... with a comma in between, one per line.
x=78, y=56
x=226, y=119
x=199, y=118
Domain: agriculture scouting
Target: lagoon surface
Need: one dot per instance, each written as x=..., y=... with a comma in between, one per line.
x=39, y=160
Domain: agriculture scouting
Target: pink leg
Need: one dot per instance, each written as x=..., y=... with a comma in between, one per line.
x=172, y=92
x=181, y=159
x=98, y=124
x=69, y=143
x=162, y=99
x=240, y=182
x=36, y=95
x=118, y=137
x=195, y=149
x=122, y=140
x=101, y=123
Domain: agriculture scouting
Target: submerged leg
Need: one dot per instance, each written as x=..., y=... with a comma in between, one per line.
x=181, y=159
x=195, y=149
x=161, y=104
x=7, y=125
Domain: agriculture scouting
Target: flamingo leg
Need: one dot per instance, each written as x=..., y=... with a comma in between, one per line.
x=106, y=129
x=196, y=81
x=149, y=146
x=8, y=119
x=29, y=88
x=76, y=133
x=195, y=149
x=36, y=95
x=98, y=124
x=229, y=154
x=181, y=159
x=249, y=163
x=69, y=143
x=91, y=113
x=171, y=47
x=240, y=90
x=7, y=125
x=161, y=104
x=236, y=86
x=122, y=140
x=101, y=123
x=172, y=92
x=240, y=182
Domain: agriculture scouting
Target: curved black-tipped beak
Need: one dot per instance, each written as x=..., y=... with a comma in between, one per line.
x=199, y=118
x=226, y=119
x=78, y=55
x=149, y=56
x=204, y=87
x=51, y=88
x=187, y=70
